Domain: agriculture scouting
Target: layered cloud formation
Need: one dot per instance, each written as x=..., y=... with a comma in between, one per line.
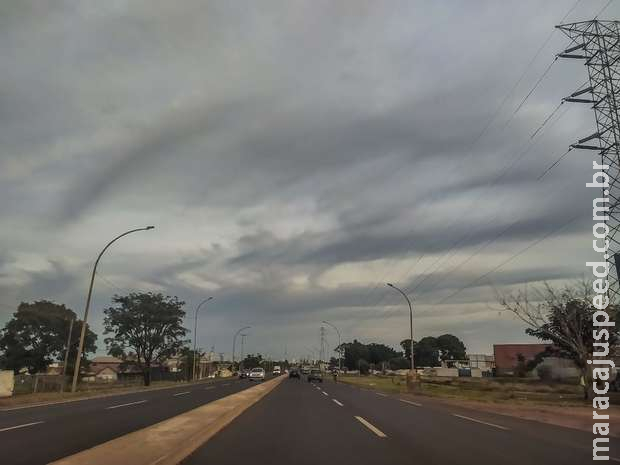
x=293, y=157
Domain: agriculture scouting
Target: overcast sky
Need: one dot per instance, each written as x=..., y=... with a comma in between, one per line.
x=293, y=156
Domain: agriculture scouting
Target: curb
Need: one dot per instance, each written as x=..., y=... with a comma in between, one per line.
x=171, y=441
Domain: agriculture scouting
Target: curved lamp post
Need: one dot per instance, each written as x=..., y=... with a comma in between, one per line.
x=339, y=344
x=196, y=336
x=234, y=341
x=410, y=321
x=76, y=371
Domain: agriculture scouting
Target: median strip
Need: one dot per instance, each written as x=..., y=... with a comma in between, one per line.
x=480, y=421
x=21, y=426
x=371, y=427
x=171, y=441
x=125, y=405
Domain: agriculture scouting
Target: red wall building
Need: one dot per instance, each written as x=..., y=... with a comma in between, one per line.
x=506, y=355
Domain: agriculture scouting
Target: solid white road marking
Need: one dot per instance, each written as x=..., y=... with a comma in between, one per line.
x=324, y=393
x=125, y=405
x=381, y=394
x=371, y=427
x=181, y=393
x=21, y=426
x=227, y=384
x=481, y=422
x=210, y=387
x=338, y=403
x=410, y=402
x=613, y=459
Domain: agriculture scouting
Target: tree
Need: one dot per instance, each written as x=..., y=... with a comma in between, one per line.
x=353, y=352
x=147, y=324
x=450, y=348
x=564, y=317
x=251, y=361
x=399, y=363
x=378, y=353
x=37, y=336
x=426, y=352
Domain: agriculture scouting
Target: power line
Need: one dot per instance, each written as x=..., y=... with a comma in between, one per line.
x=509, y=259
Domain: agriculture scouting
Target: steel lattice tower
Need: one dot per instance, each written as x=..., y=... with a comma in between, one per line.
x=598, y=43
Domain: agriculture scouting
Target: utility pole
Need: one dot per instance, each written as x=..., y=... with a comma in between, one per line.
x=322, y=351
x=339, y=344
x=234, y=341
x=410, y=324
x=598, y=43
x=78, y=358
x=242, y=343
x=196, y=337
x=64, y=365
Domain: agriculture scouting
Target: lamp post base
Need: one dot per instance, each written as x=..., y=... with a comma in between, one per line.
x=412, y=381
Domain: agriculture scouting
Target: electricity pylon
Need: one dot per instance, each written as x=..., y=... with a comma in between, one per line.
x=598, y=43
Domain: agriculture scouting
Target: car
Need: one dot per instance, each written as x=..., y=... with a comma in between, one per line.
x=277, y=371
x=305, y=370
x=243, y=374
x=294, y=373
x=257, y=374
x=315, y=375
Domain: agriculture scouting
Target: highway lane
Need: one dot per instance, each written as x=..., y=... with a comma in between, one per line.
x=337, y=423
x=38, y=435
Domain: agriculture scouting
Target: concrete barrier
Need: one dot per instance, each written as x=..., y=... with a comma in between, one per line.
x=172, y=440
x=7, y=383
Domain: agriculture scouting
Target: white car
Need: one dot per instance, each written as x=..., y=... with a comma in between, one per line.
x=257, y=374
x=277, y=371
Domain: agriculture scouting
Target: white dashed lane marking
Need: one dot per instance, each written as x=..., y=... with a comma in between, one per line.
x=371, y=427
x=126, y=405
x=481, y=422
x=410, y=402
x=181, y=393
x=21, y=426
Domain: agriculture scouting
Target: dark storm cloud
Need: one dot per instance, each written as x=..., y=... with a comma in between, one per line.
x=291, y=155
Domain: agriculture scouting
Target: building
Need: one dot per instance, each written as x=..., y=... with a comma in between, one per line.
x=507, y=356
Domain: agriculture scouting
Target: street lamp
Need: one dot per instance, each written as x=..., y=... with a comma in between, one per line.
x=196, y=335
x=76, y=371
x=339, y=344
x=410, y=322
x=234, y=341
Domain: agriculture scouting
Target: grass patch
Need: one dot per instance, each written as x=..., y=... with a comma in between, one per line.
x=510, y=390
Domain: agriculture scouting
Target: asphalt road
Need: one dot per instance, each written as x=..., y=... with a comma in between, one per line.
x=38, y=435
x=300, y=423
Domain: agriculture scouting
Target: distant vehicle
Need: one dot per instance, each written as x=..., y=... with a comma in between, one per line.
x=257, y=374
x=277, y=371
x=315, y=375
x=305, y=370
x=294, y=373
x=243, y=374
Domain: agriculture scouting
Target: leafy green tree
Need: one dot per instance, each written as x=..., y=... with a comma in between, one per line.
x=399, y=363
x=379, y=353
x=37, y=336
x=147, y=327
x=363, y=366
x=426, y=352
x=353, y=352
x=451, y=348
x=252, y=361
